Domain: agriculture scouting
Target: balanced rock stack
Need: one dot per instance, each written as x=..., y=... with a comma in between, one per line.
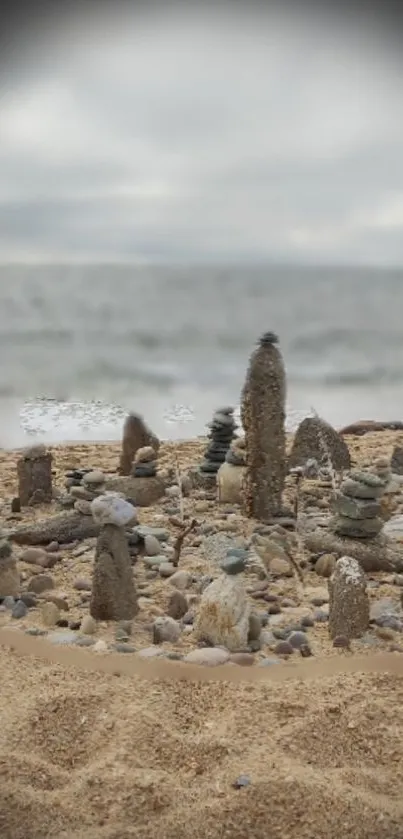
x=222, y=429
x=231, y=472
x=357, y=506
x=145, y=463
x=83, y=486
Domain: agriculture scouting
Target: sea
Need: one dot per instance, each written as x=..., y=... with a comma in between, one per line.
x=80, y=346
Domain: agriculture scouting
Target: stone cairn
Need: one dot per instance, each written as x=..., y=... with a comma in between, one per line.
x=34, y=472
x=222, y=429
x=136, y=435
x=83, y=485
x=263, y=419
x=113, y=593
x=145, y=463
x=357, y=506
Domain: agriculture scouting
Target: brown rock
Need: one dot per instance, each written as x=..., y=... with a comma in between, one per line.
x=143, y=492
x=177, y=605
x=50, y=614
x=325, y=565
x=136, y=435
x=348, y=600
x=34, y=472
x=311, y=438
x=9, y=577
x=229, y=483
x=113, y=596
x=40, y=583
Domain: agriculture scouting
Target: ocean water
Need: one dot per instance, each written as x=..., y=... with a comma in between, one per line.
x=82, y=345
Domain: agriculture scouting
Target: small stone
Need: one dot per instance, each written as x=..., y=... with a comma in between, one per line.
x=207, y=656
x=152, y=545
x=123, y=648
x=341, y=641
x=121, y=634
x=297, y=640
x=88, y=625
x=41, y=583
x=6, y=549
x=242, y=659
x=255, y=627
x=82, y=585
x=166, y=629
x=325, y=565
x=19, y=610
x=75, y=625
x=62, y=623
x=16, y=505
x=50, y=614
x=180, y=580
x=241, y=781
x=233, y=564
x=35, y=556
x=307, y=621
x=62, y=639
x=166, y=569
x=284, y=648
x=52, y=548
x=94, y=478
x=146, y=454
x=177, y=605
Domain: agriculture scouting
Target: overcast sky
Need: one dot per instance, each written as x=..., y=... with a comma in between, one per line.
x=211, y=138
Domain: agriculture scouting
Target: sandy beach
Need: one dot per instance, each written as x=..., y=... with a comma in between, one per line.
x=87, y=753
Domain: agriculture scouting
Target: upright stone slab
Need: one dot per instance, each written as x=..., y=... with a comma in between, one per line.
x=113, y=596
x=136, y=435
x=224, y=612
x=34, y=471
x=316, y=439
x=348, y=600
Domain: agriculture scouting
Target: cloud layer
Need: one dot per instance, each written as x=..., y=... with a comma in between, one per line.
x=204, y=138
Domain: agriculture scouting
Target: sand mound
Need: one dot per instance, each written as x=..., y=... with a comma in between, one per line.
x=87, y=755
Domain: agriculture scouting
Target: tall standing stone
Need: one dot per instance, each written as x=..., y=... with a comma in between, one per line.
x=136, y=435
x=263, y=417
x=113, y=595
x=348, y=600
x=34, y=472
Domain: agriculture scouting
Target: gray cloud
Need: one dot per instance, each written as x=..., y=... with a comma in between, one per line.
x=209, y=139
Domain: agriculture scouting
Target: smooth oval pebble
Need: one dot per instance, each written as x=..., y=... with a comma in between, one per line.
x=297, y=640
x=243, y=659
x=283, y=648
x=207, y=656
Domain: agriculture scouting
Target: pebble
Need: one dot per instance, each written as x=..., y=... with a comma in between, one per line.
x=5, y=549
x=36, y=556
x=40, y=583
x=268, y=662
x=154, y=561
x=207, y=656
x=52, y=547
x=180, y=580
x=241, y=781
x=341, y=641
x=242, y=659
x=255, y=627
x=123, y=648
x=166, y=569
x=28, y=598
x=8, y=602
x=297, y=640
x=152, y=545
x=62, y=638
x=144, y=530
x=233, y=564
x=307, y=621
x=177, y=605
x=84, y=641
x=166, y=629
x=151, y=652
x=284, y=648
x=50, y=614
x=82, y=585
x=19, y=610
x=96, y=477
x=88, y=625
x=321, y=617
x=100, y=646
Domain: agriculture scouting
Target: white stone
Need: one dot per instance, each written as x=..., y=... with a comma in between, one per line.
x=152, y=545
x=207, y=657
x=223, y=618
x=229, y=483
x=109, y=509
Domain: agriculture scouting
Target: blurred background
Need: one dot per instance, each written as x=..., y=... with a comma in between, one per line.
x=172, y=184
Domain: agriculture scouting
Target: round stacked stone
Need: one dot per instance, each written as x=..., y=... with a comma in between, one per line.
x=357, y=506
x=222, y=430
x=236, y=453
x=145, y=463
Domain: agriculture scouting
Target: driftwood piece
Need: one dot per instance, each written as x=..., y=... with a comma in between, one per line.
x=358, y=429
x=374, y=555
x=63, y=528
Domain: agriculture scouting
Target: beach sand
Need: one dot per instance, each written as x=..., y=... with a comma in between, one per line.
x=87, y=755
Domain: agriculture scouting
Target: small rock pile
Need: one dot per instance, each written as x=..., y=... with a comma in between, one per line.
x=222, y=429
x=145, y=463
x=357, y=506
x=83, y=485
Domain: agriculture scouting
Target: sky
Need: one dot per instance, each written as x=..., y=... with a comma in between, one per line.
x=203, y=137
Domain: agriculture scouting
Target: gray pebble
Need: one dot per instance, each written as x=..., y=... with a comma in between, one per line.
x=19, y=610
x=297, y=640
x=123, y=648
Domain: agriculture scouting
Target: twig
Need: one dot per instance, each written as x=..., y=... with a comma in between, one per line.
x=179, y=540
x=179, y=482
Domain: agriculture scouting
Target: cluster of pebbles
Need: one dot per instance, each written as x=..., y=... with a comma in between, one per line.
x=83, y=485
x=222, y=430
x=357, y=506
x=145, y=463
